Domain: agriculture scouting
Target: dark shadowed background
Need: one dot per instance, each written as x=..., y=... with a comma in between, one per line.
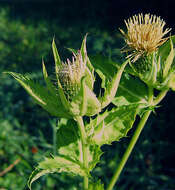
x=27, y=28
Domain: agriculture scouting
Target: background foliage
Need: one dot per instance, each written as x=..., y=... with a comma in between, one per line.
x=27, y=132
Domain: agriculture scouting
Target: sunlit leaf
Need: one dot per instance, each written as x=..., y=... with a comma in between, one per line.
x=49, y=102
x=57, y=164
x=112, y=125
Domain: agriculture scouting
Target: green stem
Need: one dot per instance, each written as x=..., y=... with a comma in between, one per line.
x=132, y=143
x=84, y=147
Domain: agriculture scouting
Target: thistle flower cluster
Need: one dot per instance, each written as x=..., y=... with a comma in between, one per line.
x=71, y=73
x=145, y=33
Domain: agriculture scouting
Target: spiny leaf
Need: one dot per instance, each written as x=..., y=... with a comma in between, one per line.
x=37, y=173
x=69, y=145
x=57, y=164
x=41, y=95
x=112, y=125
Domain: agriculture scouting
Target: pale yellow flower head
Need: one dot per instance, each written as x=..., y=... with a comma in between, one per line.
x=145, y=33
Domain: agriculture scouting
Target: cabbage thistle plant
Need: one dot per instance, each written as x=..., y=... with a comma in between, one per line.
x=87, y=120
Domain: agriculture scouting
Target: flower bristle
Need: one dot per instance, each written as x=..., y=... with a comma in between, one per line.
x=145, y=33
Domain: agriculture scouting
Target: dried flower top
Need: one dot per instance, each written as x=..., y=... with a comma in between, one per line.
x=71, y=73
x=145, y=34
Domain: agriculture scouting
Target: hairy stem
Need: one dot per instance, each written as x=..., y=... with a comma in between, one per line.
x=132, y=143
x=84, y=147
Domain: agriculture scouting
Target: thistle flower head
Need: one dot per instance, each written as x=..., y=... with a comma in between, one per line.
x=145, y=33
x=71, y=73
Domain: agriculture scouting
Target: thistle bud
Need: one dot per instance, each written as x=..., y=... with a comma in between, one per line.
x=75, y=83
x=70, y=75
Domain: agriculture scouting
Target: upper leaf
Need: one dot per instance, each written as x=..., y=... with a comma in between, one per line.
x=131, y=90
x=112, y=86
x=49, y=101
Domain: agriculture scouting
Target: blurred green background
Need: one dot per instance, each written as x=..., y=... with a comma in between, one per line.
x=26, y=131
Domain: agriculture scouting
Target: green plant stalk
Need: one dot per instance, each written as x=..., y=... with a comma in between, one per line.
x=135, y=136
x=84, y=147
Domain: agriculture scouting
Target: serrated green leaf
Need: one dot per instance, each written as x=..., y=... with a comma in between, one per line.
x=62, y=164
x=69, y=145
x=57, y=164
x=131, y=90
x=112, y=125
x=49, y=102
x=37, y=173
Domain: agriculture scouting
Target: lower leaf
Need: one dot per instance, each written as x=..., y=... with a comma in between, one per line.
x=57, y=164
